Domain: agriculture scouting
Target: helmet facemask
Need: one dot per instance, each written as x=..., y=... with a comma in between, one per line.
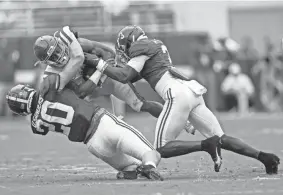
x=122, y=56
x=121, y=52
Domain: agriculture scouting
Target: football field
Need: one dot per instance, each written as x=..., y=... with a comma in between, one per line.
x=51, y=165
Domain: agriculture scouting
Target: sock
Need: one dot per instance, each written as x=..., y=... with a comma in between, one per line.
x=238, y=146
x=150, y=163
x=178, y=148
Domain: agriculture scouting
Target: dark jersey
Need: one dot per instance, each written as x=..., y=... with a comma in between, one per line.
x=159, y=59
x=65, y=113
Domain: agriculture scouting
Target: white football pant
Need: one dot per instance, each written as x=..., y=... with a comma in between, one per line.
x=121, y=145
x=183, y=101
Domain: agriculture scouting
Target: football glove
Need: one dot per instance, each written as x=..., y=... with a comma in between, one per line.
x=94, y=61
x=91, y=60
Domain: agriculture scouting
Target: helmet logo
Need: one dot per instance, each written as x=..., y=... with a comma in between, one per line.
x=121, y=36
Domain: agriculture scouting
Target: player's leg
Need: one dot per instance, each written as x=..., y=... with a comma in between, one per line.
x=131, y=142
x=103, y=145
x=207, y=124
x=152, y=107
x=270, y=161
x=129, y=94
x=171, y=122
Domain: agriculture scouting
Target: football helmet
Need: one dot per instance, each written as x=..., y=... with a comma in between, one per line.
x=19, y=99
x=52, y=51
x=126, y=37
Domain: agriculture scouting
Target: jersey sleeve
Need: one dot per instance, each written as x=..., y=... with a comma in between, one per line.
x=142, y=47
x=77, y=57
x=35, y=125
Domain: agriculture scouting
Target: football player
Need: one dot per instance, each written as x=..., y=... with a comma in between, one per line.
x=112, y=140
x=150, y=59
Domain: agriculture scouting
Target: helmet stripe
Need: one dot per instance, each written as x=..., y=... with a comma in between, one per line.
x=67, y=36
x=16, y=99
x=61, y=36
x=64, y=34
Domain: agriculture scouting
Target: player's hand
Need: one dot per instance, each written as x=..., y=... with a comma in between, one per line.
x=111, y=61
x=91, y=60
x=87, y=72
x=87, y=88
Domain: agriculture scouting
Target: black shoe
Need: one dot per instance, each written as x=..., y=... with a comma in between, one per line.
x=270, y=161
x=149, y=172
x=127, y=175
x=212, y=145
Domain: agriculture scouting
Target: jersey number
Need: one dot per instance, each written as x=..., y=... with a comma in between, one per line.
x=165, y=50
x=57, y=116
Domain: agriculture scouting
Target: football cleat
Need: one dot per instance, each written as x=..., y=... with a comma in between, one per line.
x=270, y=161
x=131, y=175
x=212, y=145
x=149, y=172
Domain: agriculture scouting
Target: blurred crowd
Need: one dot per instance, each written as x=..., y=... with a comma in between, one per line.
x=248, y=81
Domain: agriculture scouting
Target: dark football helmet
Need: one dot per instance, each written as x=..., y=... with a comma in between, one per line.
x=126, y=37
x=52, y=51
x=19, y=99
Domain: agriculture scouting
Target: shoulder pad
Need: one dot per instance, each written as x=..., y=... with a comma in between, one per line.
x=66, y=35
x=142, y=47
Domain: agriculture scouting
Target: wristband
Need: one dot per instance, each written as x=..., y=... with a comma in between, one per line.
x=95, y=77
x=102, y=65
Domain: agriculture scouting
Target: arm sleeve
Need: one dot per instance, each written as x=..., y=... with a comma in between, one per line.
x=76, y=60
x=138, y=62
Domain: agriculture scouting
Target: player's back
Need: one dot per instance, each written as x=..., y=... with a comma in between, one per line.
x=159, y=59
x=64, y=112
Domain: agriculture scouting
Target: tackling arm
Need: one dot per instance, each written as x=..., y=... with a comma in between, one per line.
x=88, y=86
x=97, y=48
x=123, y=75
